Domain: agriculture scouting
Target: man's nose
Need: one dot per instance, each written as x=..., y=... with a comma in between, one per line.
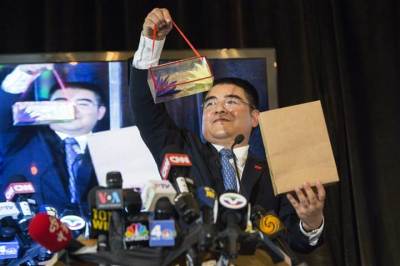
x=76, y=109
x=220, y=107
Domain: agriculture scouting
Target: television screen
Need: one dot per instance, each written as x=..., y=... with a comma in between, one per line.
x=46, y=100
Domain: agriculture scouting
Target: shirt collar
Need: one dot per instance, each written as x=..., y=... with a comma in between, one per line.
x=82, y=140
x=241, y=153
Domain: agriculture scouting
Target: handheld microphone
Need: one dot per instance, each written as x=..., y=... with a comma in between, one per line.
x=49, y=232
x=8, y=209
x=111, y=198
x=176, y=168
x=99, y=218
x=136, y=223
x=132, y=201
x=154, y=190
x=208, y=204
x=233, y=214
x=9, y=245
x=163, y=209
x=271, y=227
x=162, y=226
x=267, y=222
x=18, y=186
x=75, y=223
x=209, y=208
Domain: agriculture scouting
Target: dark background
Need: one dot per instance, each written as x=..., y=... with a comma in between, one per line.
x=343, y=52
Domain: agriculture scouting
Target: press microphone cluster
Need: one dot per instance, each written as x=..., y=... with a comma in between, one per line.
x=16, y=245
x=123, y=221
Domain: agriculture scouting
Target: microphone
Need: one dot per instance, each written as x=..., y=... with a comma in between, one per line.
x=75, y=223
x=99, y=218
x=154, y=190
x=162, y=226
x=51, y=233
x=9, y=245
x=18, y=186
x=208, y=204
x=136, y=223
x=267, y=222
x=176, y=167
x=9, y=209
x=111, y=198
x=132, y=201
x=20, y=191
x=164, y=209
x=209, y=209
x=271, y=227
x=233, y=214
x=238, y=139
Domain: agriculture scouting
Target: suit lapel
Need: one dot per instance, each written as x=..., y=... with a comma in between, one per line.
x=214, y=166
x=251, y=174
x=84, y=172
x=46, y=165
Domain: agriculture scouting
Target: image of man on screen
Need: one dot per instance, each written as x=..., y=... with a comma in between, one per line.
x=54, y=157
x=229, y=109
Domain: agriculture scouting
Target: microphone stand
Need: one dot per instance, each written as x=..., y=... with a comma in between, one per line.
x=238, y=139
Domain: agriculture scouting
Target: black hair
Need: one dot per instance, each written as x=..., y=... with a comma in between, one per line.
x=249, y=90
x=81, y=85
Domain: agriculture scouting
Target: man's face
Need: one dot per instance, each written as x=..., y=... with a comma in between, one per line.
x=87, y=111
x=226, y=114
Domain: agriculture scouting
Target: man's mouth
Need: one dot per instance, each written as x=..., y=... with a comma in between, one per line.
x=221, y=119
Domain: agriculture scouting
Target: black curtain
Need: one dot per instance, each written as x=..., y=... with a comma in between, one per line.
x=343, y=52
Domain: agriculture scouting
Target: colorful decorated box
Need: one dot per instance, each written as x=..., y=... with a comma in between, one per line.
x=179, y=79
x=42, y=112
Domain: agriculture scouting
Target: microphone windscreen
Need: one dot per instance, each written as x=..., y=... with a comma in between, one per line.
x=239, y=138
x=132, y=201
x=206, y=196
x=114, y=179
x=49, y=232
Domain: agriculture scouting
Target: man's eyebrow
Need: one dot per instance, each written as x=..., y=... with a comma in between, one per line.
x=233, y=96
x=78, y=100
x=85, y=100
x=60, y=99
x=209, y=98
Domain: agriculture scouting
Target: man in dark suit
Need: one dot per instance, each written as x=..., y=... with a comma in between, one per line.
x=229, y=109
x=54, y=158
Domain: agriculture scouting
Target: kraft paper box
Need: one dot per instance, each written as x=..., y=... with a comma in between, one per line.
x=42, y=112
x=297, y=146
x=179, y=79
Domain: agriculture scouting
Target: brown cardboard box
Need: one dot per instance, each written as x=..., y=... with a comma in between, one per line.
x=297, y=145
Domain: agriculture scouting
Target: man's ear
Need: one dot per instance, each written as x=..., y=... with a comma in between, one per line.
x=101, y=111
x=254, y=117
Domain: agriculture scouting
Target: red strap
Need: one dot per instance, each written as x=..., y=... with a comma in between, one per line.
x=60, y=83
x=58, y=79
x=181, y=33
x=154, y=38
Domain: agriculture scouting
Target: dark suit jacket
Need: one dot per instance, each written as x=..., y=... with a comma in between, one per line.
x=158, y=130
x=37, y=153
